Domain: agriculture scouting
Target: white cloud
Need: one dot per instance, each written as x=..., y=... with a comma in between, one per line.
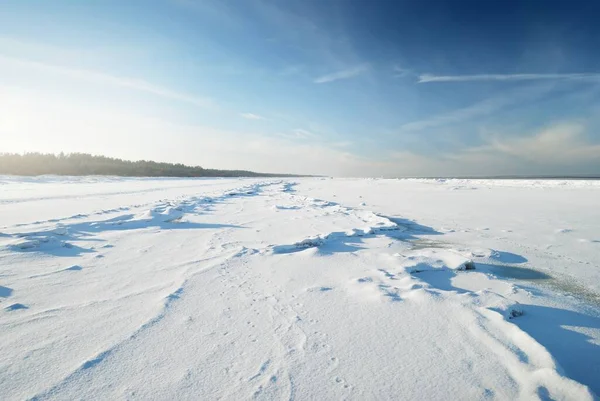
x=291, y=70
x=317, y=41
x=482, y=108
x=400, y=72
x=299, y=134
x=561, y=144
x=427, y=78
x=303, y=134
x=320, y=41
x=251, y=116
x=343, y=74
x=107, y=79
x=36, y=121
x=559, y=149
x=91, y=54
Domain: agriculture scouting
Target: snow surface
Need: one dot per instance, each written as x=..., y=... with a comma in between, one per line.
x=312, y=288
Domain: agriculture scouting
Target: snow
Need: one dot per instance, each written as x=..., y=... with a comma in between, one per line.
x=311, y=288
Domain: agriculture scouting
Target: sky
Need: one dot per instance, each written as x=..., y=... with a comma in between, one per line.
x=332, y=87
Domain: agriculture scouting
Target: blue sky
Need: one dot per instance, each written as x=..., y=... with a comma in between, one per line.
x=340, y=87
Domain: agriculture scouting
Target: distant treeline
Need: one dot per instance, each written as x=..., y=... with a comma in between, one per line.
x=86, y=164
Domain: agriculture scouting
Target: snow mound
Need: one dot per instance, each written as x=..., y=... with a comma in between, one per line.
x=434, y=259
x=169, y=214
x=43, y=241
x=509, y=309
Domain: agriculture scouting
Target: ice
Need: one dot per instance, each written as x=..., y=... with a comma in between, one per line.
x=124, y=288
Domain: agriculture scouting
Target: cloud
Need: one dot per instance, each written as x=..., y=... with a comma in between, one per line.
x=315, y=40
x=343, y=74
x=304, y=134
x=291, y=70
x=400, y=72
x=485, y=107
x=427, y=78
x=322, y=41
x=561, y=144
x=479, y=109
x=559, y=149
x=251, y=116
x=301, y=135
x=107, y=79
x=37, y=121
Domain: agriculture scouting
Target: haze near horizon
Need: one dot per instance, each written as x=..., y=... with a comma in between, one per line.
x=339, y=87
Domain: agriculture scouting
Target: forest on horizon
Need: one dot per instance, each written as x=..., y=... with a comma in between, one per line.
x=32, y=164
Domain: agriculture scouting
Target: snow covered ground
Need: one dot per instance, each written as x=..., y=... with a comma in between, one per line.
x=312, y=288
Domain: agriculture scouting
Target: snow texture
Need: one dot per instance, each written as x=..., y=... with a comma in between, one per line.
x=199, y=289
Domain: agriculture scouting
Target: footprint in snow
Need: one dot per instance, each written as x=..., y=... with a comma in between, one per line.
x=261, y=370
x=320, y=289
x=390, y=292
x=388, y=274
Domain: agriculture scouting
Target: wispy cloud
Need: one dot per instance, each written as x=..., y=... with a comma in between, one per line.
x=291, y=70
x=304, y=134
x=252, y=116
x=26, y=120
x=107, y=79
x=317, y=41
x=320, y=41
x=559, y=144
x=482, y=108
x=428, y=78
x=561, y=148
x=299, y=134
x=343, y=74
x=400, y=72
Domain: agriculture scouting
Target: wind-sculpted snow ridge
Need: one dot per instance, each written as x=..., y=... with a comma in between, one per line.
x=423, y=275
x=160, y=314
x=101, y=356
x=374, y=225
x=264, y=289
x=60, y=237
x=289, y=187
